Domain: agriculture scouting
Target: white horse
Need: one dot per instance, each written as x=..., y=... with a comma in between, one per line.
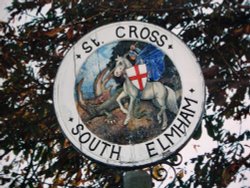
x=162, y=96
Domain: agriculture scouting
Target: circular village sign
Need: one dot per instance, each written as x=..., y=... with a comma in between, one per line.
x=129, y=94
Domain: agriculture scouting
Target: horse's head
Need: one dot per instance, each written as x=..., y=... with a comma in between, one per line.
x=120, y=66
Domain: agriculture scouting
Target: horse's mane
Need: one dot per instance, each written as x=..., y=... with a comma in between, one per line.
x=123, y=59
x=119, y=59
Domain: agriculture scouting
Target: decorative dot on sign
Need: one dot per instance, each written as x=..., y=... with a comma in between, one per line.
x=191, y=90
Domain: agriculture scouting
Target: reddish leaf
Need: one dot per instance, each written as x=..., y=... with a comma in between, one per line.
x=70, y=33
x=53, y=32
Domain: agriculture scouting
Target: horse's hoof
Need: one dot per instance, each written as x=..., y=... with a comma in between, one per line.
x=164, y=126
x=159, y=119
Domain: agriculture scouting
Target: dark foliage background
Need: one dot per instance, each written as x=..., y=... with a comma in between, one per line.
x=34, y=151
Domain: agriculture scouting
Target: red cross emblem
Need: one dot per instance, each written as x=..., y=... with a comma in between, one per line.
x=138, y=76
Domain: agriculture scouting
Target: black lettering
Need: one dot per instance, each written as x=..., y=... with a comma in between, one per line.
x=147, y=33
x=132, y=30
x=95, y=42
x=189, y=104
x=171, y=135
x=153, y=37
x=180, y=125
x=86, y=47
x=85, y=137
x=115, y=152
x=186, y=115
x=118, y=34
x=162, y=146
x=162, y=42
x=150, y=149
x=91, y=147
x=77, y=129
x=104, y=147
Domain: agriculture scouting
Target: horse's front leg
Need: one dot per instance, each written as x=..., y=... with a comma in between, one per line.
x=165, y=121
x=119, y=98
x=130, y=110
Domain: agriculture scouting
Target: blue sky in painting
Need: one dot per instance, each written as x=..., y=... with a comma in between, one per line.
x=95, y=63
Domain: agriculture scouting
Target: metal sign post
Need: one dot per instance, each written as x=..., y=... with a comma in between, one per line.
x=137, y=179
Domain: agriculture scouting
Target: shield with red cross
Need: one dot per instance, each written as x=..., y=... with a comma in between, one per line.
x=138, y=76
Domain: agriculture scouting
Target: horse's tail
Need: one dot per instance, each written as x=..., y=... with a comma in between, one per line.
x=171, y=100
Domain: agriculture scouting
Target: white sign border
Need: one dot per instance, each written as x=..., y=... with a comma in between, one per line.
x=131, y=155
